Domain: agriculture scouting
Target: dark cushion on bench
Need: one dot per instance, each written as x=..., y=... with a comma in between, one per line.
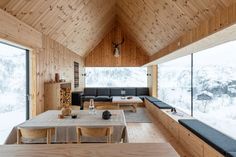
x=103, y=91
x=130, y=91
x=116, y=91
x=103, y=98
x=162, y=105
x=142, y=91
x=231, y=154
x=90, y=91
x=87, y=98
x=214, y=138
x=142, y=97
x=152, y=99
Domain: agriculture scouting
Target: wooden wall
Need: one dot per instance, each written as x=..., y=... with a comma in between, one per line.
x=221, y=19
x=46, y=57
x=152, y=80
x=131, y=54
x=55, y=58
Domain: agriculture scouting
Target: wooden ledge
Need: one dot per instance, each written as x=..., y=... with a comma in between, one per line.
x=89, y=150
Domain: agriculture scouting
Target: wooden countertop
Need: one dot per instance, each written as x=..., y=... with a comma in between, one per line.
x=90, y=150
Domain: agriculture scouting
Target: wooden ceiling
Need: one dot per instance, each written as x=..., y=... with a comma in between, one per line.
x=81, y=24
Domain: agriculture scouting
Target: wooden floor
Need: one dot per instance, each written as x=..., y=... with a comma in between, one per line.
x=155, y=133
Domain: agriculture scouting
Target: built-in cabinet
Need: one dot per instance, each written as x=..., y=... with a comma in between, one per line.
x=194, y=145
x=57, y=95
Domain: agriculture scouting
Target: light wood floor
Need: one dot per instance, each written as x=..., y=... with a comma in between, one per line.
x=153, y=133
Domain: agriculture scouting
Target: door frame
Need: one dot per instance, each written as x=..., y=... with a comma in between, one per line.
x=27, y=94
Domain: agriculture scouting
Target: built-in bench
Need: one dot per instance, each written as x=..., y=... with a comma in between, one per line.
x=105, y=94
x=158, y=103
x=216, y=139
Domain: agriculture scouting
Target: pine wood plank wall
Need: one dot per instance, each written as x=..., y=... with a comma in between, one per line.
x=47, y=57
x=131, y=54
x=55, y=58
x=222, y=19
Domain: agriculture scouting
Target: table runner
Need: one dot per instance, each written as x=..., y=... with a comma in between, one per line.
x=66, y=128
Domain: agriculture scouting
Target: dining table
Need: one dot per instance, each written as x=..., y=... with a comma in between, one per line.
x=65, y=128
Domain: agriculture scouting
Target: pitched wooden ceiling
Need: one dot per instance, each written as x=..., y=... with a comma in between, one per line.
x=81, y=24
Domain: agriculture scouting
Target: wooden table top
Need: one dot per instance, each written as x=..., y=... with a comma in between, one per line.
x=90, y=150
x=119, y=99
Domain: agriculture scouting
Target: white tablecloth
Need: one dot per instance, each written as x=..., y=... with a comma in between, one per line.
x=66, y=128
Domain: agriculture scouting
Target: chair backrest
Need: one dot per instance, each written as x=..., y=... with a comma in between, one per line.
x=94, y=132
x=33, y=133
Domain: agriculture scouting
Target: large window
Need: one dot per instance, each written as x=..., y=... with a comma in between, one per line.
x=116, y=77
x=13, y=88
x=212, y=96
x=174, y=79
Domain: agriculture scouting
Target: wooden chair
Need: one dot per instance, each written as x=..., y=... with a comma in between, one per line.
x=32, y=133
x=94, y=132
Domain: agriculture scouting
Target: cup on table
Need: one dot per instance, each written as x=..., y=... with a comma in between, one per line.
x=73, y=116
x=60, y=116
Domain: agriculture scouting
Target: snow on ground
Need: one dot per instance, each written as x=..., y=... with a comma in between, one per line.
x=8, y=120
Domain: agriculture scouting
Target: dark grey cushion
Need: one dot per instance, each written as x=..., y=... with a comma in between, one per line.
x=103, y=92
x=221, y=142
x=90, y=91
x=162, y=105
x=87, y=98
x=231, y=154
x=142, y=91
x=142, y=97
x=103, y=98
x=130, y=91
x=152, y=99
x=115, y=91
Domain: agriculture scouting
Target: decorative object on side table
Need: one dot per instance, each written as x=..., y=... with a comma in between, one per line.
x=57, y=77
x=129, y=97
x=122, y=94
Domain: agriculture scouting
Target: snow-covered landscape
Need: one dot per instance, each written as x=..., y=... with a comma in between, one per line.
x=12, y=89
x=116, y=77
x=214, y=86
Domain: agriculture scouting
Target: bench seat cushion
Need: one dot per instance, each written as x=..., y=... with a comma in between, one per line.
x=142, y=97
x=116, y=91
x=103, y=98
x=90, y=91
x=211, y=136
x=87, y=98
x=162, y=105
x=103, y=91
x=152, y=99
x=130, y=91
x=142, y=91
x=231, y=154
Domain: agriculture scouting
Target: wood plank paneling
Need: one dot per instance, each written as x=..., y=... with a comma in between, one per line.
x=157, y=23
x=14, y=30
x=221, y=20
x=55, y=58
x=102, y=55
x=47, y=57
x=76, y=24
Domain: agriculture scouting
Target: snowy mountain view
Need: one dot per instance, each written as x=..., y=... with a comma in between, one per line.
x=214, y=86
x=12, y=89
x=116, y=77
